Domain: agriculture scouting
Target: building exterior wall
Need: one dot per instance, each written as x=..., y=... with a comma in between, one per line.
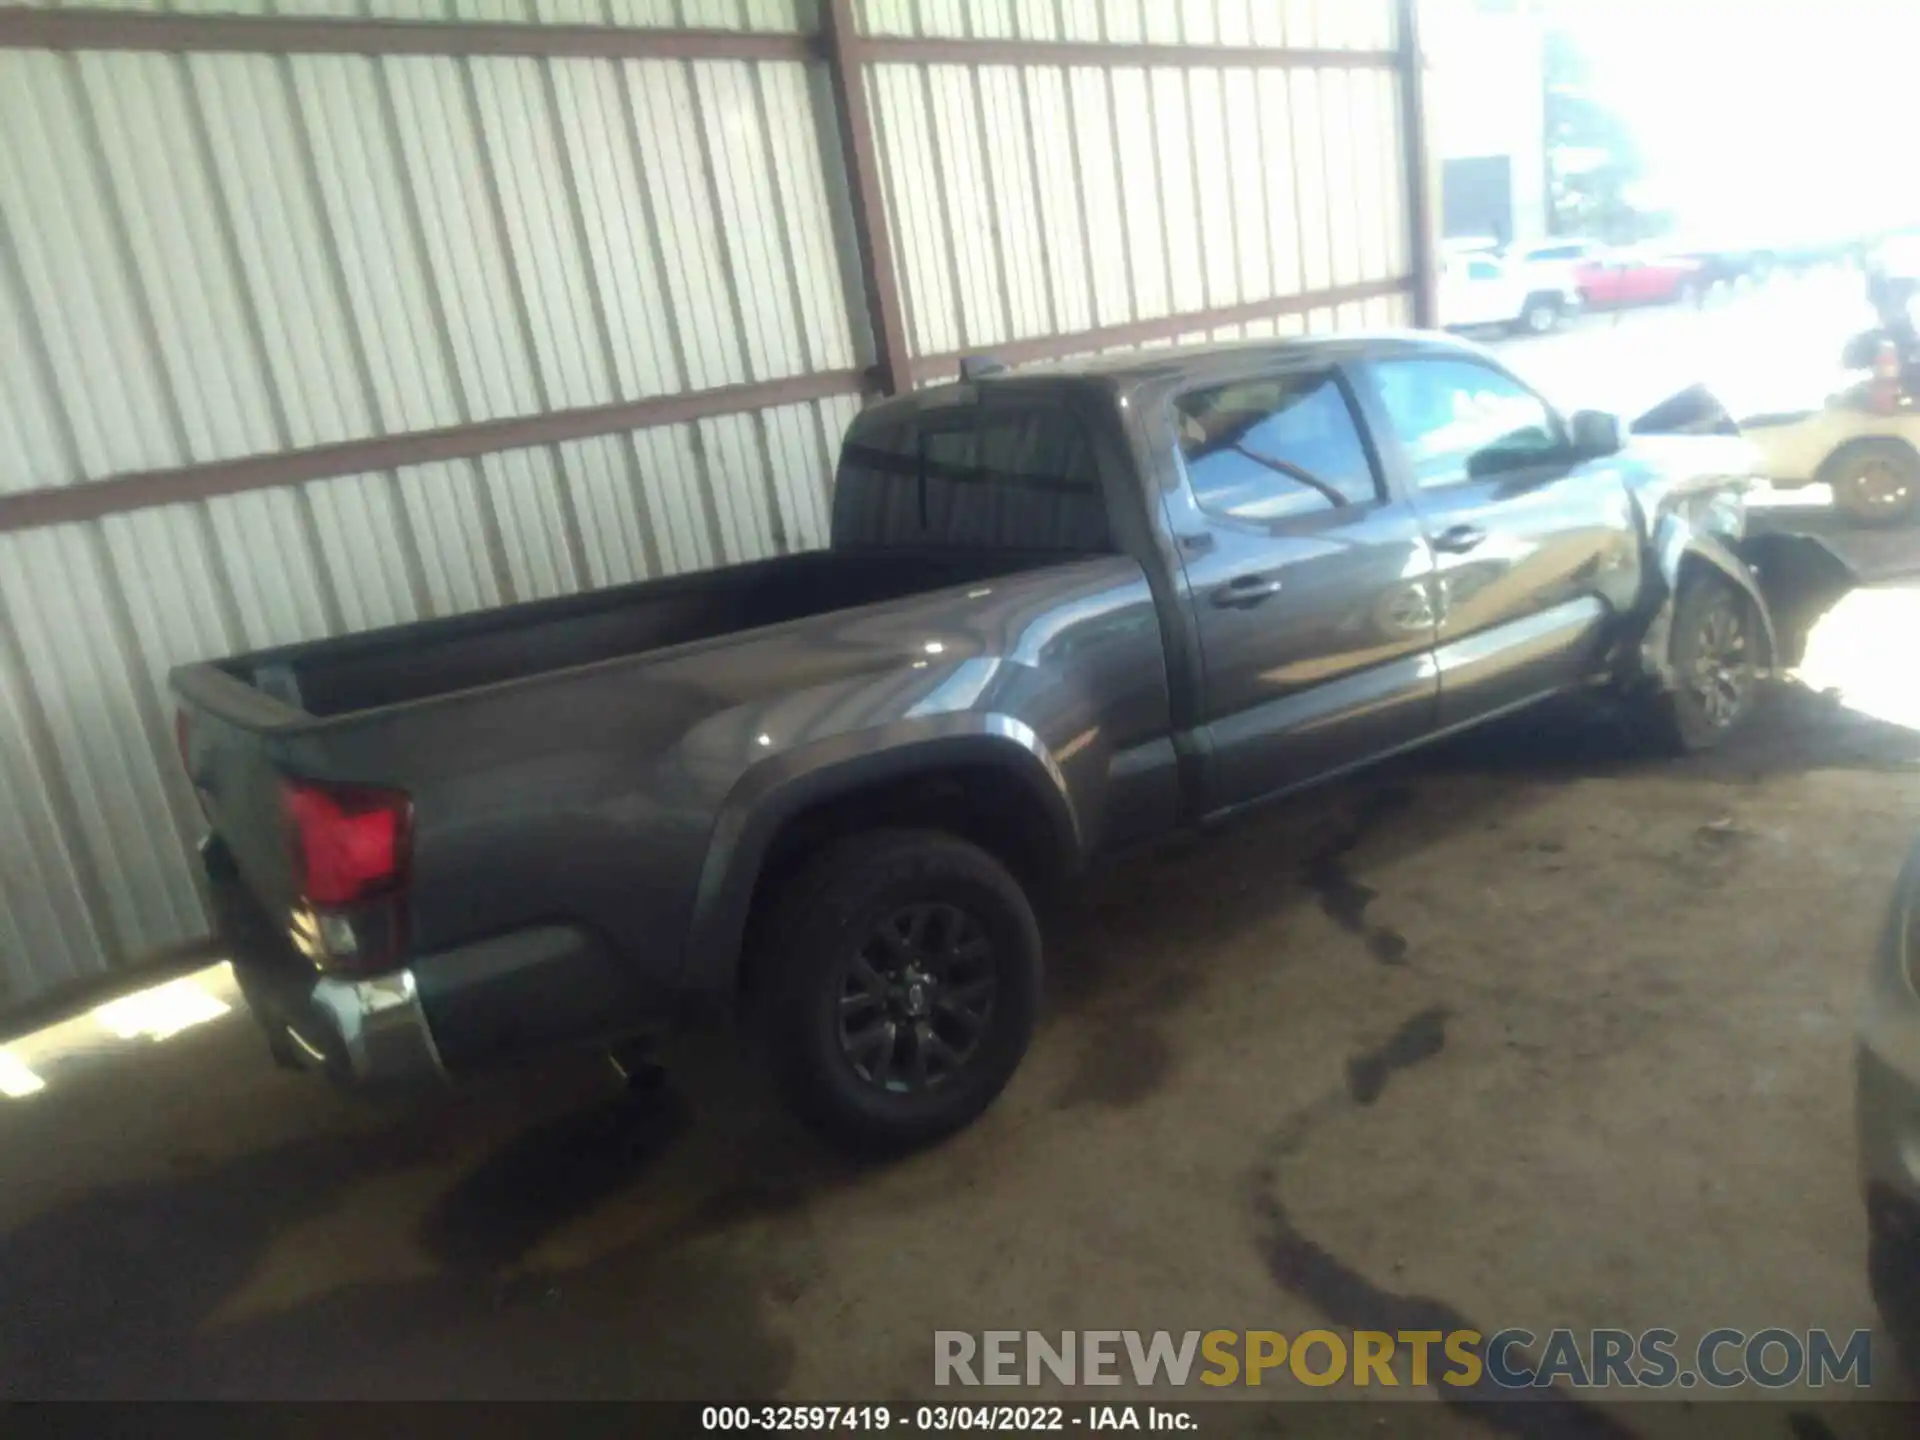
x=210, y=254
x=1488, y=99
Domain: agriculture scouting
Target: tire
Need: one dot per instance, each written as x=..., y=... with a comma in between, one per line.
x=1691, y=294
x=1539, y=316
x=1893, y=1276
x=1715, y=648
x=862, y=940
x=1876, y=482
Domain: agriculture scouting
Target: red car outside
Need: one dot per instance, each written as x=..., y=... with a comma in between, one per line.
x=1630, y=278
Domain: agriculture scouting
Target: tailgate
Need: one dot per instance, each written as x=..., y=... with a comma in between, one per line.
x=229, y=736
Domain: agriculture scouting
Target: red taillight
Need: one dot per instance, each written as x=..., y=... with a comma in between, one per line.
x=349, y=843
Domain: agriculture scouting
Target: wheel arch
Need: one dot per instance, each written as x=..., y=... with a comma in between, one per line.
x=997, y=787
x=1684, y=556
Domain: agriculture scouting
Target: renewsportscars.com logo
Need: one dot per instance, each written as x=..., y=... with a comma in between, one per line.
x=1508, y=1359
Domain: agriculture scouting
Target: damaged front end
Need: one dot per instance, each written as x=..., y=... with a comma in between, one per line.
x=1691, y=474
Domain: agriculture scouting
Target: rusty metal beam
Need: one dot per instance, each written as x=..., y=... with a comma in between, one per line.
x=24, y=29
x=879, y=277
x=68, y=504
x=919, y=50
x=1419, y=166
x=1166, y=327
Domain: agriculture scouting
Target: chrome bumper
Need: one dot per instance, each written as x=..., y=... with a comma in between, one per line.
x=374, y=1029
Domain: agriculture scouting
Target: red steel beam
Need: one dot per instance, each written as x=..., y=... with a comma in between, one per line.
x=68, y=504
x=1167, y=327
x=879, y=276
x=24, y=29
x=1419, y=163
x=921, y=50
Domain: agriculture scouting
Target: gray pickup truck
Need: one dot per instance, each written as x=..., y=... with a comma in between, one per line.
x=1065, y=612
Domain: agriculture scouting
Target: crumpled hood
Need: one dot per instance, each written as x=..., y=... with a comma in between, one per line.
x=1685, y=446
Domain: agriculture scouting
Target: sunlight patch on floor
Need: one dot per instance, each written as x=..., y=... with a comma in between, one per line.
x=161, y=1012
x=17, y=1081
x=154, y=1014
x=1867, y=648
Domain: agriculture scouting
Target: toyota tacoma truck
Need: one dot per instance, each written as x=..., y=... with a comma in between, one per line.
x=1065, y=612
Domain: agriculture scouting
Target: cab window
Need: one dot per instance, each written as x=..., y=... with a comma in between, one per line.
x=1457, y=419
x=973, y=478
x=1272, y=449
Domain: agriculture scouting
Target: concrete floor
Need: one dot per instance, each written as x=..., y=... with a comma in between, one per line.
x=1525, y=1032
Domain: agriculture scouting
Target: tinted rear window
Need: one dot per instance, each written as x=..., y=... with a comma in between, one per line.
x=973, y=479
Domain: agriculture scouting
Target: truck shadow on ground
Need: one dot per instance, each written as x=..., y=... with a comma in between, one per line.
x=129, y=1288
x=126, y=1290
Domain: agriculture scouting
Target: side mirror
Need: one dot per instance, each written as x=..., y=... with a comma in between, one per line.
x=1595, y=434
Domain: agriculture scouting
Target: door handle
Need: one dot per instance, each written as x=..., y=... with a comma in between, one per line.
x=1243, y=592
x=1459, y=539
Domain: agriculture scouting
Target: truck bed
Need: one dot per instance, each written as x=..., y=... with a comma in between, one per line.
x=436, y=657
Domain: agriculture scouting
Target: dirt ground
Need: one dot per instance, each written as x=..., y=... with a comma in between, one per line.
x=1529, y=1031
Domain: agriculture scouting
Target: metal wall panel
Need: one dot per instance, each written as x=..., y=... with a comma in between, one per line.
x=96, y=823
x=207, y=256
x=1026, y=200
x=230, y=254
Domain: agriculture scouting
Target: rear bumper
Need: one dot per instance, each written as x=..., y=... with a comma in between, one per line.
x=369, y=1032
x=491, y=1002
x=360, y=1030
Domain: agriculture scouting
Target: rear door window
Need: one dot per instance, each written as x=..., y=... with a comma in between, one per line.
x=1274, y=449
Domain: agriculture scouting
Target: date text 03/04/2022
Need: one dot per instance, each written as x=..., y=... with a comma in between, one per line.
x=937, y=1419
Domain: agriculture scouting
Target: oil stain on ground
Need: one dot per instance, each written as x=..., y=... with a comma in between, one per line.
x=1303, y=1267
x=1344, y=899
x=1419, y=1038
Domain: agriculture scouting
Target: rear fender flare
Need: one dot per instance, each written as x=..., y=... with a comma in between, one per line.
x=778, y=790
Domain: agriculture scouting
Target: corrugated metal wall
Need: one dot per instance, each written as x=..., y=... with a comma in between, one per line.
x=1040, y=199
x=205, y=256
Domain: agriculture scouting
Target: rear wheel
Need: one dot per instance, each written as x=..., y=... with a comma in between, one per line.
x=1716, y=650
x=903, y=984
x=1877, y=482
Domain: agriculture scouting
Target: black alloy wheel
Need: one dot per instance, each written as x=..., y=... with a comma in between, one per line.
x=902, y=979
x=1718, y=656
x=1721, y=673
x=917, y=998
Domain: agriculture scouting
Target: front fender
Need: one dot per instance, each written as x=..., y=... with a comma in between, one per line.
x=776, y=791
x=1678, y=547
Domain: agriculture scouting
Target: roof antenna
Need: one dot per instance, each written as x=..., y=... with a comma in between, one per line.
x=978, y=367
